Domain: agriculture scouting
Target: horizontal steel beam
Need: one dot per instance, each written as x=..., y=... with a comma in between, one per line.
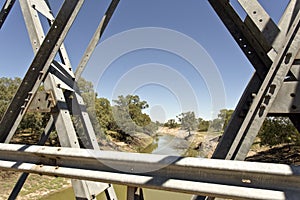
x=220, y=178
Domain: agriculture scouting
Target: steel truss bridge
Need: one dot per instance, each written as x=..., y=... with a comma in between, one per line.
x=272, y=49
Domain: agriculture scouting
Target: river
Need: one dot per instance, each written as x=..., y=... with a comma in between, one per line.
x=164, y=145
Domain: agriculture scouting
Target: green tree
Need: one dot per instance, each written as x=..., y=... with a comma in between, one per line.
x=8, y=88
x=104, y=114
x=278, y=130
x=203, y=125
x=171, y=123
x=217, y=125
x=32, y=123
x=86, y=90
x=88, y=94
x=225, y=115
x=221, y=122
x=188, y=121
x=128, y=115
x=134, y=106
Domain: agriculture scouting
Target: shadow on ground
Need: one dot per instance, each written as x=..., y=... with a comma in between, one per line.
x=287, y=154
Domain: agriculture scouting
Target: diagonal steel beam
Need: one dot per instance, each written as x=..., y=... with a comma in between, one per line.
x=260, y=23
x=243, y=36
x=231, y=135
x=31, y=10
x=269, y=34
x=64, y=77
x=17, y=188
x=287, y=20
x=5, y=11
x=267, y=94
x=77, y=104
x=38, y=68
x=246, y=99
x=96, y=38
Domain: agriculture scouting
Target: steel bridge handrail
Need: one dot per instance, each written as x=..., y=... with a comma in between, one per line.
x=220, y=178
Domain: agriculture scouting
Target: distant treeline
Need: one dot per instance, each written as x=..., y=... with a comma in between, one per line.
x=125, y=117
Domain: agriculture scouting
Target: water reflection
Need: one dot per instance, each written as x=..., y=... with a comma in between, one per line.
x=167, y=145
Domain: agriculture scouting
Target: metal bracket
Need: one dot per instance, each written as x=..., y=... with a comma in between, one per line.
x=42, y=102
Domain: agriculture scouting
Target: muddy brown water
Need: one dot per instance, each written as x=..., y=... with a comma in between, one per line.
x=164, y=145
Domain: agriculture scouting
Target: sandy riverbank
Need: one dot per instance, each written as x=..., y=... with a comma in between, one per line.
x=200, y=143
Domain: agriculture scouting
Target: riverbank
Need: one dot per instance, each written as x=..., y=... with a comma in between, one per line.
x=36, y=186
x=197, y=144
x=206, y=143
x=200, y=144
x=135, y=143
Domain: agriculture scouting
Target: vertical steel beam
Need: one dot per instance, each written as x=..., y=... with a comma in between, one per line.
x=46, y=50
x=134, y=193
x=35, y=30
x=66, y=132
x=110, y=193
x=130, y=193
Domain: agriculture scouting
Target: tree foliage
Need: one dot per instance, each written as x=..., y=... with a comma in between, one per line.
x=225, y=115
x=32, y=123
x=278, y=130
x=188, y=121
x=104, y=114
x=129, y=117
x=8, y=88
x=125, y=116
x=171, y=123
x=203, y=125
x=220, y=123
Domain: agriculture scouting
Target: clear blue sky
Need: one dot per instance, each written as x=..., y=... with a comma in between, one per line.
x=194, y=18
